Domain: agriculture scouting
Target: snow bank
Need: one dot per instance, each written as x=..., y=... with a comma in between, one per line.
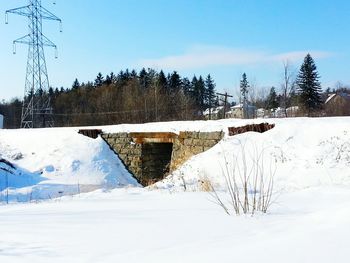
x=55, y=162
x=311, y=217
x=305, y=152
x=298, y=152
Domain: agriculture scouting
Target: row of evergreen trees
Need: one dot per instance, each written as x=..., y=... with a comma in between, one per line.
x=148, y=95
x=127, y=97
x=200, y=90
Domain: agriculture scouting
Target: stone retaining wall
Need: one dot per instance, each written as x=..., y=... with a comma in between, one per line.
x=128, y=151
x=142, y=160
x=189, y=144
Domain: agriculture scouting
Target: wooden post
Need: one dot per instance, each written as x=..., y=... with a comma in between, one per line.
x=226, y=95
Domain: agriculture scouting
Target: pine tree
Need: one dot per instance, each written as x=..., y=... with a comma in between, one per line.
x=108, y=80
x=76, y=84
x=127, y=75
x=133, y=74
x=244, y=85
x=120, y=77
x=99, y=80
x=174, y=83
x=309, y=87
x=272, y=102
x=194, y=93
x=162, y=81
x=51, y=92
x=111, y=79
x=143, y=76
x=186, y=86
x=57, y=92
x=210, y=95
x=200, y=87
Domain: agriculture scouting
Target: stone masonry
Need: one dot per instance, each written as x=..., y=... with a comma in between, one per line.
x=189, y=144
x=149, y=161
x=128, y=151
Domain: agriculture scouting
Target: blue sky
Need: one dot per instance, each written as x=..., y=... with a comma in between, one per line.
x=224, y=38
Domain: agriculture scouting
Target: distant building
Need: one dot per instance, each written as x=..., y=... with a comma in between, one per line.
x=261, y=113
x=237, y=112
x=1, y=121
x=293, y=111
x=278, y=112
x=214, y=113
x=338, y=104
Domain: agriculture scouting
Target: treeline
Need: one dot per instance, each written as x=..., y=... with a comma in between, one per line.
x=302, y=92
x=12, y=111
x=128, y=97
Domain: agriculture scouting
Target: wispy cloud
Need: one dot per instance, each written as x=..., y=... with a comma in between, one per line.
x=294, y=56
x=210, y=56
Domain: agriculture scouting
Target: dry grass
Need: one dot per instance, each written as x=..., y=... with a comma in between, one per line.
x=205, y=185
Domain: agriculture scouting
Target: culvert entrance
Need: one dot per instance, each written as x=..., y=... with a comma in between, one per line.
x=155, y=158
x=150, y=156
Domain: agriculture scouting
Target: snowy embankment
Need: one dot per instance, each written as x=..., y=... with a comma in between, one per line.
x=48, y=163
x=301, y=153
x=309, y=222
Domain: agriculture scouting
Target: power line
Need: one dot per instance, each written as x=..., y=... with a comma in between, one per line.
x=36, y=110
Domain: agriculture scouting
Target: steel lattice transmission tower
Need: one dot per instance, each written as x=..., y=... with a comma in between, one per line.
x=36, y=110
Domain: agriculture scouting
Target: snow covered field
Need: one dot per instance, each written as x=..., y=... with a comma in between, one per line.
x=311, y=225
x=122, y=222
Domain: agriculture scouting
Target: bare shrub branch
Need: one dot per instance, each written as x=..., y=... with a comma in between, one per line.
x=248, y=183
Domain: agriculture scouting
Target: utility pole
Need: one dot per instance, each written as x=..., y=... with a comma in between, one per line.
x=37, y=111
x=226, y=96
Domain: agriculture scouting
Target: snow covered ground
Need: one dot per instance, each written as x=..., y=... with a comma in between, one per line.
x=301, y=152
x=54, y=162
x=310, y=225
x=122, y=222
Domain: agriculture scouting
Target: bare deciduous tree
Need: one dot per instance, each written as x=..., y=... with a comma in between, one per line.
x=288, y=84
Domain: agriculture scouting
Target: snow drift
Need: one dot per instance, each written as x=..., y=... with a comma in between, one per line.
x=304, y=152
x=311, y=217
x=52, y=162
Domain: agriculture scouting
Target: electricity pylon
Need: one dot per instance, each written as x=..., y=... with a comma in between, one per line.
x=36, y=110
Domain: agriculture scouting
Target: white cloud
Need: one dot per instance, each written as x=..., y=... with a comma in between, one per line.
x=295, y=56
x=209, y=56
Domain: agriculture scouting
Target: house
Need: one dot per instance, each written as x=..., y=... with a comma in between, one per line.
x=338, y=104
x=238, y=113
x=278, y=112
x=214, y=113
x=292, y=111
x=261, y=113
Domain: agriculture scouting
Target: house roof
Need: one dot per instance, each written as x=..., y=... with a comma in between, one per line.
x=213, y=110
x=342, y=95
x=240, y=106
x=330, y=98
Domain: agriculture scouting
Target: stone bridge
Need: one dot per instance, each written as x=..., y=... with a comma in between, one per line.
x=150, y=156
